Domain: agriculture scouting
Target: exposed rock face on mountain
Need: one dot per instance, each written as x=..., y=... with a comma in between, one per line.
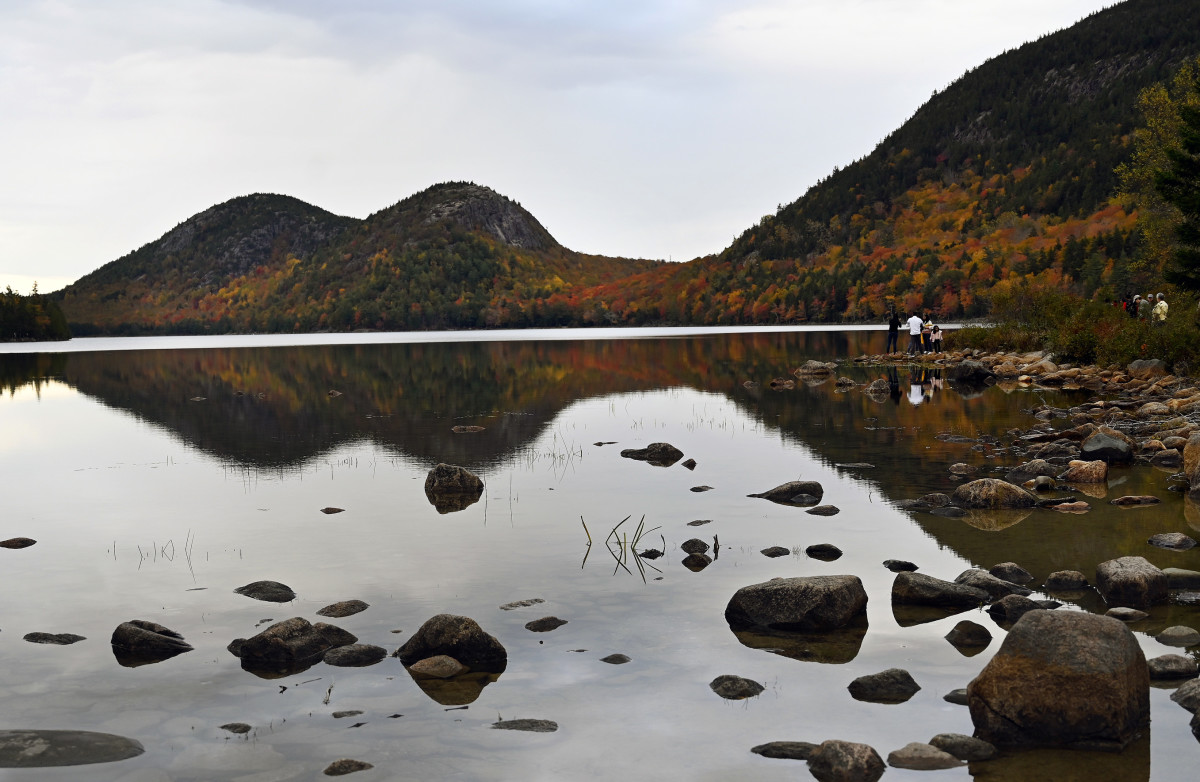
x=484, y=209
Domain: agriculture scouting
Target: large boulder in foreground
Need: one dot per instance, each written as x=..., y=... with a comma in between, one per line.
x=459, y=637
x=1063, y=678
x=451, y=488
x=793, y=493
x=658, y=454
x=802, y=604
x=992, y=493
x=140, y=642
x=1191, y=464
x=845, y=761
x=1132, y=582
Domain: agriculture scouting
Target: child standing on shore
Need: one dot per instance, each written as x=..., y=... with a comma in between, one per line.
x=936, y=338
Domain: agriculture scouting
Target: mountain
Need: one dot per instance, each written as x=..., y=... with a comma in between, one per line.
x=454, y=255
x=1005, y=177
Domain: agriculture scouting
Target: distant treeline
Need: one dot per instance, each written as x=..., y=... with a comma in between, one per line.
x=32, y=318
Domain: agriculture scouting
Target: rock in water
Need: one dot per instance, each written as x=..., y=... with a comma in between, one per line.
x=47, y=748
x=996, y=587
x=344, y=608
x=545, y=624
x=1108, y=445
x=1178, y=635
x=694, y=546
x=1166, y=667
x=845, y=761
x=785, y=750
x=354, y=655
x=528, y=725
x=1085, y=472
x=1172, y=540
x=1131, y=582
x=438, y=667
x=450, y=488
x=456, y=636
x=1188, y=695
x=735, y=688
x=267, y=591
x=291, y=644
x=992, y=493
x=969, y=635
x=963, y=747
x=340, y=768
x=1065, y=581
x=658, y=454
x=787, y=493
x=894, y=685
x=1063, y=678
x=17, y=543
x=801, y=604
x=922, y=757
x=55, y=639
x=919, y=589
x=138, y=642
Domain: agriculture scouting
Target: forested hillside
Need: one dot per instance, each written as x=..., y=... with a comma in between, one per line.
x=1004, y=177
x=456, y=255
x=32, y=318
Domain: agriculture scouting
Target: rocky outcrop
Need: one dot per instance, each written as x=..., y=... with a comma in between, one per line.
x=991, y=493
x=658, y=454
x=1063, y=678
x=1132, y=582
x=455, y=636
x=801, y=604
x=450, y=488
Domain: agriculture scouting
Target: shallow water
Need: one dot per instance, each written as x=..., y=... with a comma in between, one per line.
x=157, y=481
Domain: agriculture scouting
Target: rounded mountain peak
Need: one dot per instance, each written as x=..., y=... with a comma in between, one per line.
x=476, y=208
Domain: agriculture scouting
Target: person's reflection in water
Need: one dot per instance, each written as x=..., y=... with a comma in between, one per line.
x=916, y=390
x=894, y=385
x=936, y=382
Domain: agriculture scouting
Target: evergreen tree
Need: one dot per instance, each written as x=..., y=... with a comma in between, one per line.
x=1179, y=185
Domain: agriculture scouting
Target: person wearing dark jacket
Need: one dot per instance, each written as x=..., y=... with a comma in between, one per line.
x=893, y=332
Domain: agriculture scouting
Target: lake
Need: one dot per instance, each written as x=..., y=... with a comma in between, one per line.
x=158, y=475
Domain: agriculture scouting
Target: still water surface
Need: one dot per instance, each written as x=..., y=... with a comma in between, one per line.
x=158, y=481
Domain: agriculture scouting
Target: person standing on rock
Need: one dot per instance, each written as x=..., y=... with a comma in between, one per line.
x=914, y=334
x=1159, y=313
x=935, y=339
x=893, y=333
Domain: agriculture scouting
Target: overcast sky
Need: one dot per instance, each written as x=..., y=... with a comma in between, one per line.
x=648, y=128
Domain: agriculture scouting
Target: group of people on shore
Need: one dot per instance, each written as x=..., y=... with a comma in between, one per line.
x=923, y=335
x=1151, y=309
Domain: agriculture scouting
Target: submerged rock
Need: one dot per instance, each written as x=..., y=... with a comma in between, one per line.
x=1172, y=540
x=340, y=768
x=56, y=639
x=50, y=748
x=735, y=688
x=657, y=454
x=521, y=604
x=527, y=725
x=1063, y=678
x=697, y=562
x=824, y=510
x=459, y=637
